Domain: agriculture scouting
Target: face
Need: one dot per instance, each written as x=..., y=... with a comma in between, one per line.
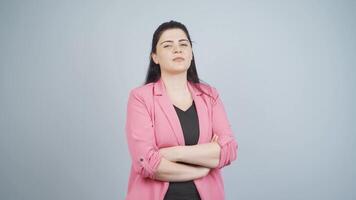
x=173, y=52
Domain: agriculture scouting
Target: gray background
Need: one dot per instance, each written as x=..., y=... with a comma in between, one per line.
x=285, y=71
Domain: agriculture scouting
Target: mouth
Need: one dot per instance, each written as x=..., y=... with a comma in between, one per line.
x=178, y=59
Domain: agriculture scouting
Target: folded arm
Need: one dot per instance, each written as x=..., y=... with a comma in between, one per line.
x=171, y=171
x=205, y=155
x=220, y=152
x=222, y=128
x=147, y=160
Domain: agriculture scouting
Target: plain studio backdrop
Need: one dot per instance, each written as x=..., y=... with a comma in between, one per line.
x=285, y=71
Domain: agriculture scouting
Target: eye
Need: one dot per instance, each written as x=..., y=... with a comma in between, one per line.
x=166, y=46
x=184, y=44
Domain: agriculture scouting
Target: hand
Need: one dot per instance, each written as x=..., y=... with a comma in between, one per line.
x=170, y=153
x=205, y=170
x=215, y=138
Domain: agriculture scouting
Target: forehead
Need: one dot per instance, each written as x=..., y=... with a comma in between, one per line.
x=173, y=34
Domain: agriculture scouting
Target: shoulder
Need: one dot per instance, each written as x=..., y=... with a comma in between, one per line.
x=208, y=90
x=141, y=92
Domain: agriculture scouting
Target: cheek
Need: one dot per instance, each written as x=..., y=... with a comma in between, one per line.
x=189, y=51
x=164, y=56
x=190, y=55
x=165, y=59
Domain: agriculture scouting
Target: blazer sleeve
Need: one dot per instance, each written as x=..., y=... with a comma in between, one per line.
x=139, y=129
x=221, y=127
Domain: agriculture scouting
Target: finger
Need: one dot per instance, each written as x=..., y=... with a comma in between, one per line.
x=213, y=139
x=216, y=138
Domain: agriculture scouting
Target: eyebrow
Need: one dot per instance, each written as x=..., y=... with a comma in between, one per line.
x=172, y=41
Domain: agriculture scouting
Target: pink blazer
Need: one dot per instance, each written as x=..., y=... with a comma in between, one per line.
x=152, y=123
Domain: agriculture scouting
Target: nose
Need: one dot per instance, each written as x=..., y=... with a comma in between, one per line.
x=177, y=49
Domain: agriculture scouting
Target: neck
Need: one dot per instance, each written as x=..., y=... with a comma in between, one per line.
x=175, y=82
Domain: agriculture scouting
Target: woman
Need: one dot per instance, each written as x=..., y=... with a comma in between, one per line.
x=177, y=130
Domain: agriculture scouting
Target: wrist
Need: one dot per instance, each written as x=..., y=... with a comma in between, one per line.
x=178, y=153
x=172, y=154
x=203, y=171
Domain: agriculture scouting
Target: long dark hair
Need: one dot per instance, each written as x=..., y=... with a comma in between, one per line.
x=154, y=70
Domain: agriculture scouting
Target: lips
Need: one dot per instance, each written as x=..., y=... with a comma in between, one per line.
x=178, y=59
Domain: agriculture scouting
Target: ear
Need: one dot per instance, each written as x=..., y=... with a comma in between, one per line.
x=154, y=57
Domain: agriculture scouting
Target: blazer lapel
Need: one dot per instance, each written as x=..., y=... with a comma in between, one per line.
x=169, y=111
x=201, y=112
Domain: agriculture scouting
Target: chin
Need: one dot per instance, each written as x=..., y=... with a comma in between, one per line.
x=178, y=70
x=181, y=66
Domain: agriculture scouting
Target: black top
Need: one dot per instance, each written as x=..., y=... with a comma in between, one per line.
x=190, y=126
